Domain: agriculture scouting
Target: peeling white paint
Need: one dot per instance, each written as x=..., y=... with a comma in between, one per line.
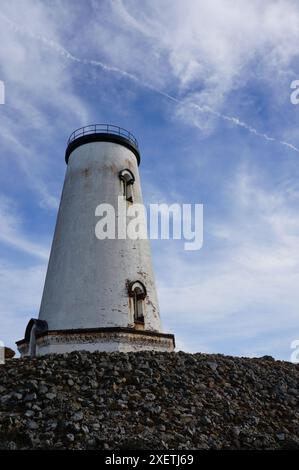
x=87, y=279
x=103, y=341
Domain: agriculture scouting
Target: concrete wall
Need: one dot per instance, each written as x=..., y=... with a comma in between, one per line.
x=60, y=343
x=87, y=278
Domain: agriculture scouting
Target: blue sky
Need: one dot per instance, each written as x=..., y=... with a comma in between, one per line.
x=205, y=87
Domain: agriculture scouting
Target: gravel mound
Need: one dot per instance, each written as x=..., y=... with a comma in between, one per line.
x=149, y=401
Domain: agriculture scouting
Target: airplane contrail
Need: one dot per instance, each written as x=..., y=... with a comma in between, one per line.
x=109, y=68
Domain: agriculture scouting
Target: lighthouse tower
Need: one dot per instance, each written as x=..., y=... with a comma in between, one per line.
x=99, y=294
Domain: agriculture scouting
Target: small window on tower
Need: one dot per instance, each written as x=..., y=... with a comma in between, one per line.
x=127, y=179
x=138, y=293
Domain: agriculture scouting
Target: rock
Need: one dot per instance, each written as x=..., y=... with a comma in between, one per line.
x=43, y=390
x=32, y=425
x=30, y=397
x=267, y=358
x=9, y=353
x=18, y=396
x=5, y=399
x=150, y=396
x=236, y=430
x=212, y=365
x=187, y=419
x=148, y=400
x=51, y=425
x=12, y=446
x=85, y=429
x=51, y=396
x=77, y=416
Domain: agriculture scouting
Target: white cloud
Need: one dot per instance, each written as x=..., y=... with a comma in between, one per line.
x=11, y=232
x=248, y=285
x=41, y=104
x=203, y=50
x=20, y=294
x=208, y=45
x=195, y=54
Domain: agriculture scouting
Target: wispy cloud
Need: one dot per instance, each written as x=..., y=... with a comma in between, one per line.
x=39, y=89
x=211, y=63
x=11, y=232
x=20, y=294
x=204, y=108
x=252, y=277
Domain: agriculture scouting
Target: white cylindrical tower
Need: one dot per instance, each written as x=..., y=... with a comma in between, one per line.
x=99, y=294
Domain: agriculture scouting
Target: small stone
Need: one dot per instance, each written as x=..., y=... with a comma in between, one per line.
x=70, y=437
x=30, y=397
x=267, y=358
x=9, y=353
x=11, y=446
x=150, y=396
x=32, y=425
x=206, y=420
x=4, y=399
x=77, y=416
x=36, y=407
x=85, y=429
x=236, y=431
x=213, y=365
x=201, y=387
x=256, y=420
x=50, y=396
x=75, y=427
x=187, y=419
x=18, y=396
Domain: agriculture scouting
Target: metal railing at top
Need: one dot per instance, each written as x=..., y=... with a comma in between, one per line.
x=103, y=129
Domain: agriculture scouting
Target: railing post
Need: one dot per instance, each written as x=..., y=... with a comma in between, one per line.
x=101, y=128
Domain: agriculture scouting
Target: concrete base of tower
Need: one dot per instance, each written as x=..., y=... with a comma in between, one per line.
x=96, y=339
